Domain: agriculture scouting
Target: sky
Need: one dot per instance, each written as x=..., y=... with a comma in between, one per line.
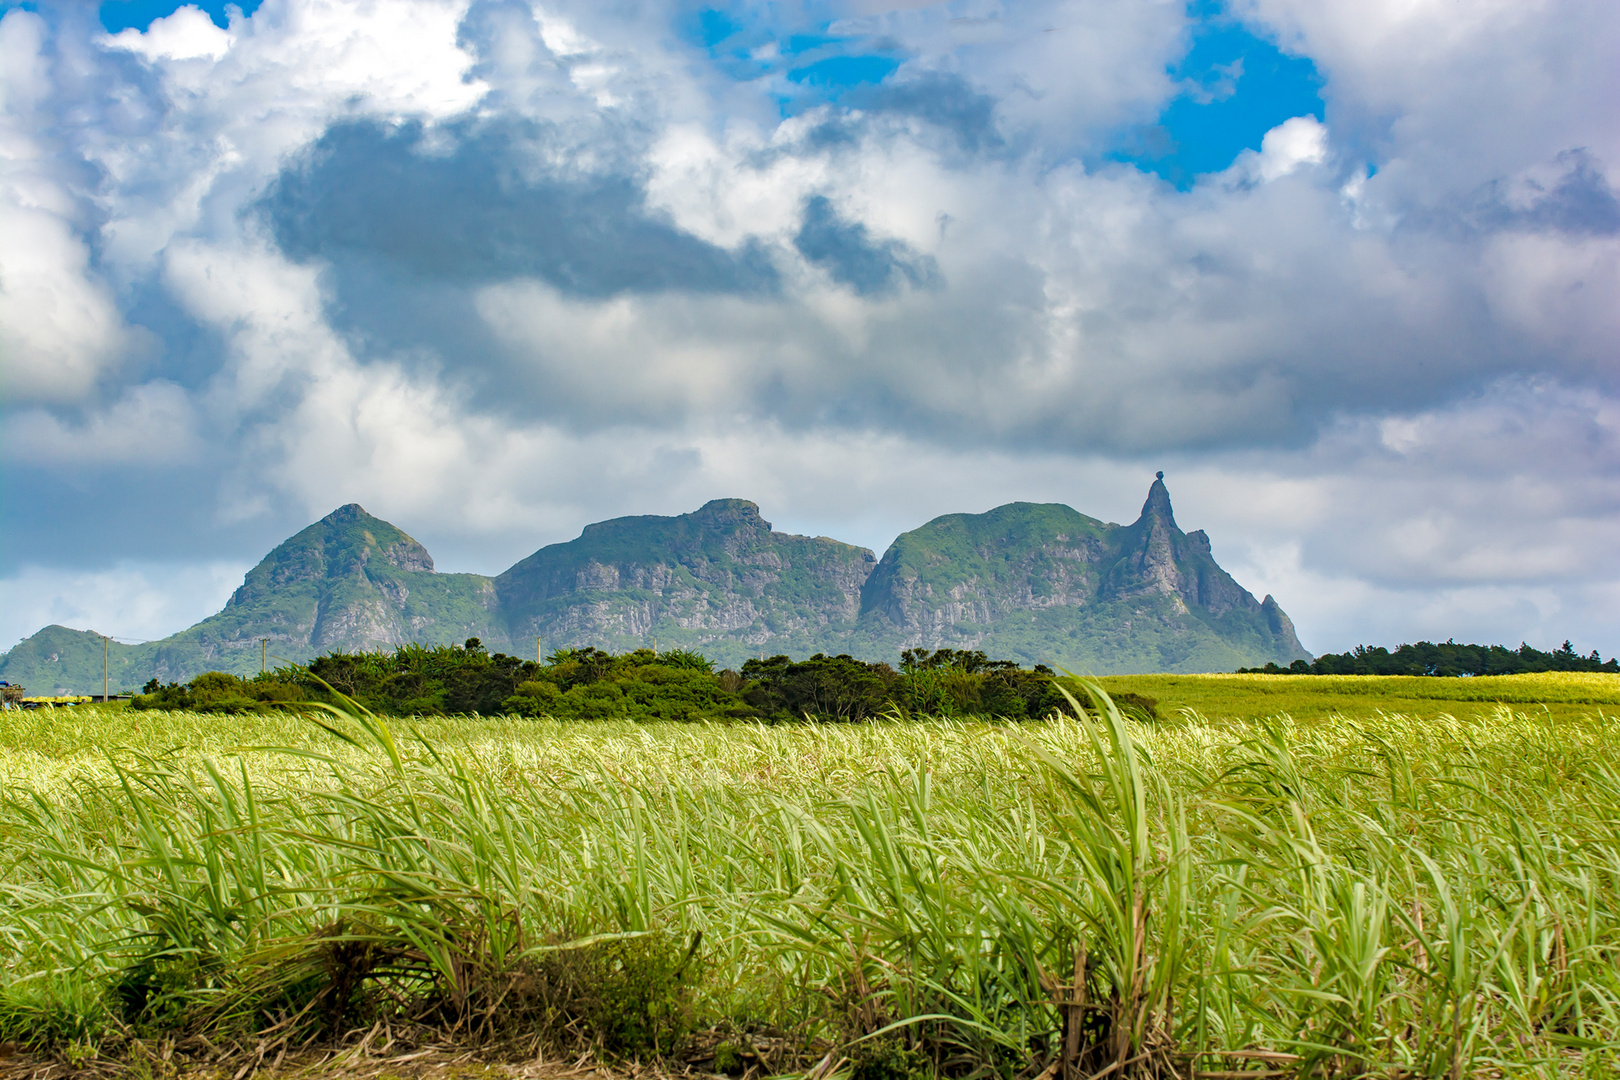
x=1348, y=271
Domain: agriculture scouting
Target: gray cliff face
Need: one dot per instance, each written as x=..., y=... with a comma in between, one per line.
x=1281, y=626
x=407, y=554
x=1156, y=557
x=1042, y=583
x=1147, y=560
x=357, y=622
x=717, y=576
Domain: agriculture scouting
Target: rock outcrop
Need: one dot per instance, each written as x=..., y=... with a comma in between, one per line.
x=719, y=580
x=1043, y=583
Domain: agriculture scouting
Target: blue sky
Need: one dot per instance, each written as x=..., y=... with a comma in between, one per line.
x=1236, y=86
x=124, y=14
x=499, y=268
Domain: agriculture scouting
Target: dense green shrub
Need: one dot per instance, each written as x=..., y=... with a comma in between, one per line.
x=821, y=688
x=420, y=679
x=591, y=684
x=218, y=692
x=1445, y=659
x=945, y=682
x=960, y=682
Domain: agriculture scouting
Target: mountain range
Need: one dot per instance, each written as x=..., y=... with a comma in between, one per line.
x=1032, y=582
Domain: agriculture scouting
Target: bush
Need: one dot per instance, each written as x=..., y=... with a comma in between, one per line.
x=961, y=682
x=821, y=688
x=592, y=684
x=1445, y=659
x=219, y=692
x=630, y=997
x=686, y=658
x=589, y=684
x=421, y=680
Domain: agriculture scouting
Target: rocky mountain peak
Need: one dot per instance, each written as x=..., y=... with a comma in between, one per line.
x=347, y=514
x=717, y=579
x=732, y=513
x=1150, y=549
x=338, y=546
x=1157, y=508
x=1046, y=584
x=350, y=538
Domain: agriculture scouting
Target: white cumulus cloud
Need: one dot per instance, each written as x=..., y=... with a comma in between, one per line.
x=59, y=326
x=1292, y=143
x=188, y=34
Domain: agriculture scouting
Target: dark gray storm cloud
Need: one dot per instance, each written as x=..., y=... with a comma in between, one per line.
x=1579, y=202
x=480, y=213
x=957, y=118
x=943, y=99
x=1570, y=195
x=847, y=251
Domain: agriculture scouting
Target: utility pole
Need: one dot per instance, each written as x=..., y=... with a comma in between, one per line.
x=537, y=657
x=264, y=644
x=104, y=640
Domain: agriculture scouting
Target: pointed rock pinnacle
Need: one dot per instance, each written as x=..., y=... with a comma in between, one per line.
x=1157, y=507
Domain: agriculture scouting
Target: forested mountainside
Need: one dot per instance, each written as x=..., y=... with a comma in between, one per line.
x=1032, y=582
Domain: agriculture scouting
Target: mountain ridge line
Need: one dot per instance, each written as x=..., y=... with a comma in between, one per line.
x=1032, y=582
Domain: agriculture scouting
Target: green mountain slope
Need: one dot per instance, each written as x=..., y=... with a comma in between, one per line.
x=1040, y=583
x=349, y=581
x=718, y=580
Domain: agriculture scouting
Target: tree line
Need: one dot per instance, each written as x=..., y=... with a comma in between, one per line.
x=591, y=684
x=1448, y=658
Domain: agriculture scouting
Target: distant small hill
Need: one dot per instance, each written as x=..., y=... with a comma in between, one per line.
x=61, y=660
x=1034, y=582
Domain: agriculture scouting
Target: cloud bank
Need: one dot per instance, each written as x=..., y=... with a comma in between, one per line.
x=498, y=269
